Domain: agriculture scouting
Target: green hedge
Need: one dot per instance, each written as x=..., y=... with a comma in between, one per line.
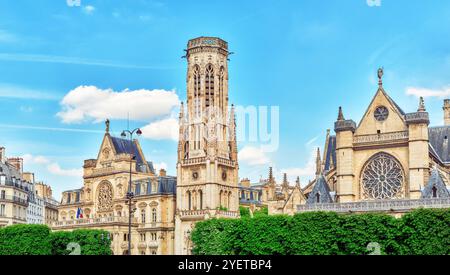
x=28, y=239
x=421, y=232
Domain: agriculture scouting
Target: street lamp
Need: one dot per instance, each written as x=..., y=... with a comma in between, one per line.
x=130, y=194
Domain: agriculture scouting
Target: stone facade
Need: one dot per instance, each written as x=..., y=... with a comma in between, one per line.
x=390, y=158
x=102, y=203
x=207, y=168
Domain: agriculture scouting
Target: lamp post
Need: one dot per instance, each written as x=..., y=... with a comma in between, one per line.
x=130, y=194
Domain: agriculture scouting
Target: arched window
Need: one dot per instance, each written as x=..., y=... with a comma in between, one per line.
x=189, y=200
x=434, y=191
x=228, y=200
x=209, y=86
x=317, y=197
x=143, y=215
x=200, y=198
x=154, y=215
x=221, y=198
x=196, y=91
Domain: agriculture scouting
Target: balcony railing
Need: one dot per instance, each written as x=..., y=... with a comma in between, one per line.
x=14, y=199
x=377, y=206
x=377, y=138
x=94, y=221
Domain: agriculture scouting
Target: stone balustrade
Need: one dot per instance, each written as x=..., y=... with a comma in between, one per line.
x=401, y=205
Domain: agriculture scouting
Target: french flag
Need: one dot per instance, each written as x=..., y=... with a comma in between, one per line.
x=79, y=213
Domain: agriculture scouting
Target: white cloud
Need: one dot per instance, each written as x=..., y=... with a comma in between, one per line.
x=253, y=156
x=161, y=129
x=88, y=9
x=159, y=166
x=53, y=167
x=13, y=91
x=424, y=92
x=91, y=103
x=56, y=169
x=30, y=159
x=74, y=61
x=308, y=171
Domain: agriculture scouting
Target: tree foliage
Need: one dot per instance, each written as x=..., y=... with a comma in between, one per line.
x=27, y=239
x=423, y=231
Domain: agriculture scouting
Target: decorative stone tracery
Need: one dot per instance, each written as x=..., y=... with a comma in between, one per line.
x=382, y=177
x=105, y=196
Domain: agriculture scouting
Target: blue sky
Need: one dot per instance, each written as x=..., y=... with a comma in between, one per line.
x=307, y=57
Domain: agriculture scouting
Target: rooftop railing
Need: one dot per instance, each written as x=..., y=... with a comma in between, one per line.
x=377, y=206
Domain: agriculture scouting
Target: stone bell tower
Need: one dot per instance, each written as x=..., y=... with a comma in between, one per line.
x=207, y=168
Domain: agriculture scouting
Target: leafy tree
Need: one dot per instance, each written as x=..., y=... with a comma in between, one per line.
x=25, y=239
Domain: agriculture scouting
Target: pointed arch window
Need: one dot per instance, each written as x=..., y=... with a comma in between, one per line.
x=317, y=197
x=200, y=195
x=209, y=86
x=221, y=87
x=196, y=91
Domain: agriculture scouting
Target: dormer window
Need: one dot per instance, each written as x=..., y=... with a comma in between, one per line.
x=434, y=192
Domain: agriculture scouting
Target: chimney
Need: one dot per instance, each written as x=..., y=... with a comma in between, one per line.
x=2, y=154
x=245, y=182
x=162, y=173
x=17, y=163
x=446, y=109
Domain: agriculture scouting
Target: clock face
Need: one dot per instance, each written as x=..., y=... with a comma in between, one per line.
x=381, y=113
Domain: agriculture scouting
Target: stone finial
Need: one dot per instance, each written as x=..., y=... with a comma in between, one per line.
x=107, y=125
x=318, y=163
x=380, y=77
x=421, y=105
x=182, y=110
x=340, y=114
x=270, y=175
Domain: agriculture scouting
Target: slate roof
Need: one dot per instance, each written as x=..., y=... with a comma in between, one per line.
x=166, y=185
x=125, y=146
x=438, y=137
x=321, y=187
x=331, y=153
x=437, y=182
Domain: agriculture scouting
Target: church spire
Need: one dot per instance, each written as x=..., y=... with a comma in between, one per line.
x=421, y=105
x=340, y=114
x=297, y=182
x=285, y=181
x=318, y=163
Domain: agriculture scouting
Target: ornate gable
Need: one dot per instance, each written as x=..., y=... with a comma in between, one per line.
x=107, y=151
x=383, y=115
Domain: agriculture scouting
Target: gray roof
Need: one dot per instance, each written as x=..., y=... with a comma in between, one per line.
x=320, y=187
x=331, y=153
x=166, y=185
x=125, y=146
x=435, y=182
x=438, y=137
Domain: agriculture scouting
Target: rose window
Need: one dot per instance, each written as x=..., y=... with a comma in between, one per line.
x=382, y=177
